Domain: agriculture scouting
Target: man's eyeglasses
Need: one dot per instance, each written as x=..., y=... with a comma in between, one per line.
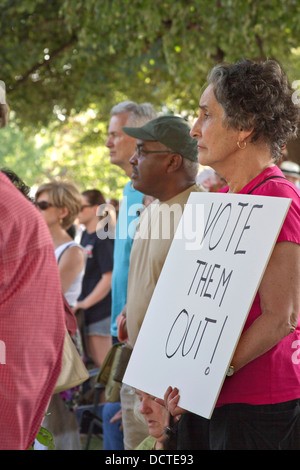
x=84, y=206
x=139, y=150
x=43, y=205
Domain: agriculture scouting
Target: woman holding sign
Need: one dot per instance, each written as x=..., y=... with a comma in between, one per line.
x=246, y=117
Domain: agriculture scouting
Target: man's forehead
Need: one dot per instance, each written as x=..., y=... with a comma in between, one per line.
x=142, y=143
x=117, y=121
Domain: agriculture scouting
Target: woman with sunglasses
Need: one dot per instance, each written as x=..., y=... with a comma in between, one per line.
x=59, y=203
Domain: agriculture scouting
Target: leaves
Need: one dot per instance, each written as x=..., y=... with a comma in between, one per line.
x=61, y=58
x=45, y=438
x=67, y=53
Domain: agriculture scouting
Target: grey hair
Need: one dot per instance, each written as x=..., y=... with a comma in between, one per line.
x=139, y=114
x=190, y=167
x=257, y=94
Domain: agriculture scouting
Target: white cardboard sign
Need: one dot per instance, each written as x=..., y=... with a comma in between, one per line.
x=205, y=291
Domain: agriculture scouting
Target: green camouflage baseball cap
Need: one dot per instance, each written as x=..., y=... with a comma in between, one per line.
x=172, y=131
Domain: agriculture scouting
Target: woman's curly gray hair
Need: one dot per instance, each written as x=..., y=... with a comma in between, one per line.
x=257, y=94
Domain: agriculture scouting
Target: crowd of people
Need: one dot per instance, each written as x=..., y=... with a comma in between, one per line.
x=84, y=249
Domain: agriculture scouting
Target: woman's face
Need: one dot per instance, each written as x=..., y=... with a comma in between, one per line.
x=51, y=214
x=87, y=211
x=216, y=142
x=155, y=415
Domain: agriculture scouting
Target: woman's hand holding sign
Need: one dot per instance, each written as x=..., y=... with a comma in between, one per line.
x=171, y=399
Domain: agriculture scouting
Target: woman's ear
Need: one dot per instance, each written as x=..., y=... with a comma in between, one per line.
x=63, y=212
x=245, y=133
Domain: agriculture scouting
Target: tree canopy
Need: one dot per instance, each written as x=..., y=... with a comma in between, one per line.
x=62, y=58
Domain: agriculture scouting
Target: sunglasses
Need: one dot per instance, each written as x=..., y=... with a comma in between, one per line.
x=84, y=206
x=43, y=205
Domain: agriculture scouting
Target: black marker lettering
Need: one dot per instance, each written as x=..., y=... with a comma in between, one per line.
x=225, y=226
x=237, y=221
x=246, y=227
x=186, y=335
x=212, y=357
x=225, y=282
x=199, y=264
x=203, y=279
x=186, y=328
x=207, y=294
x=207, y=228
x=208, y=320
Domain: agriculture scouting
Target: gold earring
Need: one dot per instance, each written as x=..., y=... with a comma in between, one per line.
x=239, y=145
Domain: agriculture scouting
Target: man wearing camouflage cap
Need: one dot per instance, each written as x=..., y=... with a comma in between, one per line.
x=165, y=166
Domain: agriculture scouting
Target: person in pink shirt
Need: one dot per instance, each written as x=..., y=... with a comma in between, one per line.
x=32, y=318
x=246, y=117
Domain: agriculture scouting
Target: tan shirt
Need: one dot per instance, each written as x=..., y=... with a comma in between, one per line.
x=152, y=241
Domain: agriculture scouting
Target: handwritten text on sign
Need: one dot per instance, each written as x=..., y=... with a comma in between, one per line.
x=203, y=296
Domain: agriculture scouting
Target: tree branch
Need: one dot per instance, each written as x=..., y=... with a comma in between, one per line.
x=39, y=65
x=218, y=56
x=259, y=43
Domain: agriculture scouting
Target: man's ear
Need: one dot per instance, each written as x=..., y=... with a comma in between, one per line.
x=174, y=162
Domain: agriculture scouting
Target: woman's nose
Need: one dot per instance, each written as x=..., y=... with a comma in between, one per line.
x=144, y=407
x=196, y=129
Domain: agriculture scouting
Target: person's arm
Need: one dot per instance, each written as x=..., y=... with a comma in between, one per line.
x=99, y=292
x=280, y=304
x=122, y=326
x=70, y=264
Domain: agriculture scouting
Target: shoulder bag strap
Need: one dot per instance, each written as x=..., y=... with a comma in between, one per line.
x=270, y=178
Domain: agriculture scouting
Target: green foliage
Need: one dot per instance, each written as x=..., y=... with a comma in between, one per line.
x=45, y=438
x=73, y=151
x=65, y=54
x=22, y=154
x=78, y=154
x=64, y=57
